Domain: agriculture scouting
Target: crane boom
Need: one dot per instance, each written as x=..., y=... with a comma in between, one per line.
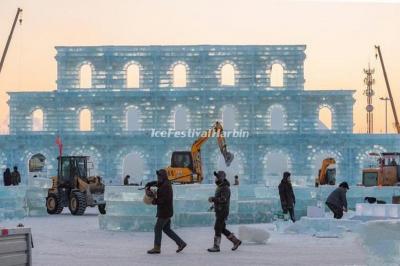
x=396, y=120
x=3, y=57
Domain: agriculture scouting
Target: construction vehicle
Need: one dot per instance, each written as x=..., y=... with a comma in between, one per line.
x=3, y=57
x=327, y=173
x=74, y=187
x=396, y=120
x=186, y=166
x=386, y=171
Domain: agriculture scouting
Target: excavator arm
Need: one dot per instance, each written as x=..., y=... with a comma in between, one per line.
x=396, y=120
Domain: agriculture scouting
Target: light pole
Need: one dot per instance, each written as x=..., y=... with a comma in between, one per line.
x=386, y=99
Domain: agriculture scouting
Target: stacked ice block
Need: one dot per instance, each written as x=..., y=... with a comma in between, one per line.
x=249, y=204
x=126, y=210
x=36, y=196
x=12, y=202
x=378, y=210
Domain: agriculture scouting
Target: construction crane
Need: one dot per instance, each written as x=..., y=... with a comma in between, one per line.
x=396, y=120
x=3, y=57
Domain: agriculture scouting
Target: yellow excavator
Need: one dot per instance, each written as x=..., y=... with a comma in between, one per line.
x=186, y=166
x=327, y=173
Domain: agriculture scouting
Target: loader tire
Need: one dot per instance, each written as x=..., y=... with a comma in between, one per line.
x=102, y=208
x=77, y=203
x=53, y=204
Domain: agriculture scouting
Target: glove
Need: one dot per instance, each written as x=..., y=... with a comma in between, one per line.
x=211, y=199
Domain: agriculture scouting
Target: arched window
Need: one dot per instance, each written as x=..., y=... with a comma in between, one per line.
x=325, y=119
x=227, y=75
x=229, y=117
x=181, y=118
x=37, y=120
x=276, y=75
x=133, y=76
x=134, y=165
x=133, y=122
x=37, y=163
x=85, y=120
x=277, y=117
x=275, y=164
x=179, y=75
x=85, y=76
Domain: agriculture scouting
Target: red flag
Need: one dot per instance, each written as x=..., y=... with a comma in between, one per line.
x=60, y=145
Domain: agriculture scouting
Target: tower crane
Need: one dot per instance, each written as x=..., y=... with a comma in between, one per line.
x=396, y=120
x=3, y=57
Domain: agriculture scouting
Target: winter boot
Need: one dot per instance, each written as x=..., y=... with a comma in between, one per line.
x=217, y=242
x=236, y=242
x=181, y=247
x=155, y=250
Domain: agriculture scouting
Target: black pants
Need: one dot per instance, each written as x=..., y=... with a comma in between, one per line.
x=220, y=227
x=164, y=225
x=291, y=212
x=337, y=211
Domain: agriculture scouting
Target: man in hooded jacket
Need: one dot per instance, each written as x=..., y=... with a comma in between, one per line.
x=221, y=201
x=164, y=202
x=288, y=200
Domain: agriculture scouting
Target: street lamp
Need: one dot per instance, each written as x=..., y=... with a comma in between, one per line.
x=386, y=99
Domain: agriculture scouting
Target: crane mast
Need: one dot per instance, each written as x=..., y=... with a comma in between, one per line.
x=3, y=57
x=396, y=120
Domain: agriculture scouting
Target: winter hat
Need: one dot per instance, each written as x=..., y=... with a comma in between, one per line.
x=286, y=174
x=220, y=175
x=344, y=185
x=162, y=173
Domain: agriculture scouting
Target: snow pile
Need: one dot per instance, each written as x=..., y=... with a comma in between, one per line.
x=382, y=241
x=36, y=196
x=253, y=235
x=12, y=202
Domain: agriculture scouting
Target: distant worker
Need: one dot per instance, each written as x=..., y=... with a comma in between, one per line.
x=337, y=201
x=236, y=181
x=15, y=177
x=164, y=202
x=126, y=180
x=286, y=194
x=7, y=177
x=221, y=202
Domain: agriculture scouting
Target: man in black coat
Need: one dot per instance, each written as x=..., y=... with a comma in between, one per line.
x=288, y=200
x=7, y=177
x=164, y=202
x=221, y=201
x=337, y=201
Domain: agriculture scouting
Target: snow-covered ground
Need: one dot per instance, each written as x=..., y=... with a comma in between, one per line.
x=73, y=240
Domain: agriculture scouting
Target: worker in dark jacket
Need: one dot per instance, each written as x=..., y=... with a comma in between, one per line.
x=288, y=200
x=164, y=202
x=221, y=201
x=337, y=201
x=7, y=177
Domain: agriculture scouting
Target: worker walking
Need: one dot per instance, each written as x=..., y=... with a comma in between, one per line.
x=221, y=202
x=164, y=202
x=286, y=194
x=236, y=183
x=337, y=201
x=7, y=177
x=15, y=177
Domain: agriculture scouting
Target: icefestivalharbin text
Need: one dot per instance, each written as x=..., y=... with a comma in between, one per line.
x=195, y=133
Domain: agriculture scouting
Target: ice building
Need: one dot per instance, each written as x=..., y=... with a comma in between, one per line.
x=125, y=92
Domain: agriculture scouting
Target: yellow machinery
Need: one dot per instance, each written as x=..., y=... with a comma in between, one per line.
x=74, y=187
x=386, y=172
x=327, y=173
x=186, y=166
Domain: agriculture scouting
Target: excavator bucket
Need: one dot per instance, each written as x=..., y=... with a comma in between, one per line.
x=228, y=158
